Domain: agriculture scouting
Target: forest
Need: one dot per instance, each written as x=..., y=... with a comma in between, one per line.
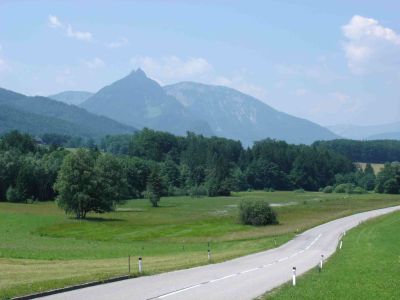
x=158, y=162
x=369, y=151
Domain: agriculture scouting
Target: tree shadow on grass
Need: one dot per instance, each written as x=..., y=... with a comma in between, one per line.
x=98, y=219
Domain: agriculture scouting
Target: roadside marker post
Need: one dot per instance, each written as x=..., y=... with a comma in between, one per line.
x=209, y=255
x=321, y=262
x=294, y=276
x=341, y=244
x=140, y=265
x=275, y=242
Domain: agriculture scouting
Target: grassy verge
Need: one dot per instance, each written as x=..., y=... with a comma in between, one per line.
x=41, y=248
x=366, y=268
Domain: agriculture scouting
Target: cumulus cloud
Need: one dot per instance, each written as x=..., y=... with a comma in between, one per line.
x=94, y=63
x=370, y=47
x=172, y=67
x=55, y=23
x=122, y=41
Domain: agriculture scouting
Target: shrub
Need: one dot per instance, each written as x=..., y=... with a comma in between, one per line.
x=328, y=189
x=391, y=186
x=299, y=191
x=344, y=188
x=12, y=195
x=358, y=190
x=257, y=213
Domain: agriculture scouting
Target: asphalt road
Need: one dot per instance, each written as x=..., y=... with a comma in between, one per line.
x=242, y=278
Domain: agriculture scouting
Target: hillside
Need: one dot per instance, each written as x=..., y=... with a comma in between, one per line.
x=139, y=101
x=235, y=115
x=372, y=132
x=71, y=97
x=385, y=136
x=38, y=115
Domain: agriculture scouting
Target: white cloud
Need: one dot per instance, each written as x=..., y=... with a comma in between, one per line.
x=172, y=67
x=80, y=35
x=94, y=63
x=55, y=23
x=122, y=41
x=370, y=47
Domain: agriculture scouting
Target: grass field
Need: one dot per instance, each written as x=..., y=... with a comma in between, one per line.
x=368, y=267
x=41, y=248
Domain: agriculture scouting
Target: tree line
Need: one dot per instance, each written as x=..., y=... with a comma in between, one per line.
x=153, y=164
x=374, y=151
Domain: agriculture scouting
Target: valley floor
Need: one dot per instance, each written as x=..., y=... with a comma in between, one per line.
x=41, y=248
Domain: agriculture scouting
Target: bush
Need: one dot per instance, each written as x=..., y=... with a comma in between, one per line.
x=299, y=191
x=391, y=186
x=344, y=188
x=359, y=190
x=12, y=195
x=257, y=213
x=328, y=189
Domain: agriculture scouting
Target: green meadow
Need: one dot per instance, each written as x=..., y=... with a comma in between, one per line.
x=366, y=268
x=41, y=248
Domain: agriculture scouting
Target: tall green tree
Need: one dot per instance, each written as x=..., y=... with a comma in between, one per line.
x=89, y=182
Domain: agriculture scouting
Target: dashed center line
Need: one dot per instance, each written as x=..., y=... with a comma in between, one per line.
x=239, y=273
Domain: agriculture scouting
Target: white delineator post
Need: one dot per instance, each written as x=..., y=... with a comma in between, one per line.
x=340, y=245
x=140, y=264
x=294, y=276
x=209, y=255
x=321, y=262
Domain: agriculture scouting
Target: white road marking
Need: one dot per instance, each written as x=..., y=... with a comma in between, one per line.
x=239, y=273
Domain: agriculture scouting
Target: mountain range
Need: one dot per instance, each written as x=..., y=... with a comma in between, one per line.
x=39, y=115
x=71, y=97
x=371, y=132
x=236, y=115
x=139, y=101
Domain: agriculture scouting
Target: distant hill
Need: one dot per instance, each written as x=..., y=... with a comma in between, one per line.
x=139, y=101
x=71, y=97
x=385, y=136
x=38, y=115
x=383, y=131
x=235, y=115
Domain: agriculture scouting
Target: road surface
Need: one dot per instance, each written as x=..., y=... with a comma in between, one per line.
x=242, y=278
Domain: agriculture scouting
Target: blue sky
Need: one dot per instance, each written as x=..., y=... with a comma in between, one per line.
x=328, y=61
